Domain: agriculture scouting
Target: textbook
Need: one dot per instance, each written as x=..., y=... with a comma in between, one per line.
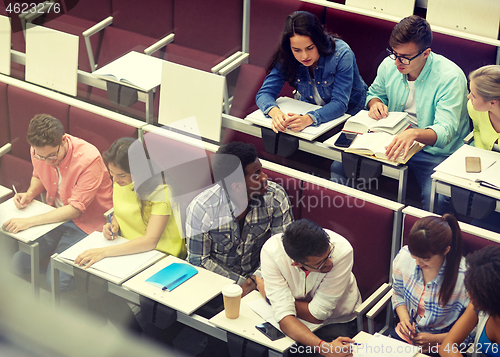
x=136, y=69
x=361, y=123
x=172, y=276
x=374, y=144
x=290, y=105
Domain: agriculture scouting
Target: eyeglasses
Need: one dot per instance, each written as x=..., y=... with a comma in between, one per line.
x=402, y=59
x=51, y=157
x=322, y=263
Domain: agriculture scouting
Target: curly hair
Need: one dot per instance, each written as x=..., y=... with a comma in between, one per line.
x=482, y=279
x=45, y=130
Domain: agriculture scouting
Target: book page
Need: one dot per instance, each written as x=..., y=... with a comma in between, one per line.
x=380, y=345
x=120, y=266
x=362, y=123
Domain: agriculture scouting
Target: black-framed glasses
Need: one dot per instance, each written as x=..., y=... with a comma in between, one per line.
x=402, y=59
x=322, y=263
x=51, y=157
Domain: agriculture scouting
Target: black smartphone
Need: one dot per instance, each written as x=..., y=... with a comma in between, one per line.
x=270, y=331
x=345, y=139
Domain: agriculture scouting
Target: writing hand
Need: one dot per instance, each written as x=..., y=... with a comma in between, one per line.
x=260, y=286
x=425, y=340
x=297, y=122
x=340, y=347
x=378, y=110
x=109, y=230
x=22, y=200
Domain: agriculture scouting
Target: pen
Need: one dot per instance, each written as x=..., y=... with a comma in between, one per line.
x=15, y=191
x=168, y=286
x=111, y=224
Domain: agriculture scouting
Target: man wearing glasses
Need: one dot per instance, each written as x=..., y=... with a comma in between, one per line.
x=431, y=89
x=76, y=181
x=307, y=274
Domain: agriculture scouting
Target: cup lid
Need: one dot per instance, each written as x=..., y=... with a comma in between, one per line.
x=232, y=290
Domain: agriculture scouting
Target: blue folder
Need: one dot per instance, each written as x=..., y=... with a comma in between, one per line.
x=172, y=276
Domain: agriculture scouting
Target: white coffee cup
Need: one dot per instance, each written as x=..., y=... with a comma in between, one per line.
x=232, y=297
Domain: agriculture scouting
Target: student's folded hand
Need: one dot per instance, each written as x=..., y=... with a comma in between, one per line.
x=297, y=122
x=279, y=119
x=15, y=225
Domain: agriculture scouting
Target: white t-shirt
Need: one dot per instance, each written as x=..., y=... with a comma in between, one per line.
x=411, y=105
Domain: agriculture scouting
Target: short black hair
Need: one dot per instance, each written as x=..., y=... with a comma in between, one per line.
x=229, y=156
x=303, y=239
x=482, y=279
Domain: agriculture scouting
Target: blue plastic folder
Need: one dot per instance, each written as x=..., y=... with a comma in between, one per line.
x=172, y=276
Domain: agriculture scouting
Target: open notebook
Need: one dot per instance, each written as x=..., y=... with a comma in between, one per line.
x=380, y=345
x=121, y=267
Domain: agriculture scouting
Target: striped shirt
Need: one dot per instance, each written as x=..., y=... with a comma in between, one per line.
x=408, y=285
x=213, y=236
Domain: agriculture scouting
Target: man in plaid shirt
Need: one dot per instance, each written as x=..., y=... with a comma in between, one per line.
x=227, y=224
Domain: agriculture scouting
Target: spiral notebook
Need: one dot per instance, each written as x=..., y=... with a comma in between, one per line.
x=172, y=276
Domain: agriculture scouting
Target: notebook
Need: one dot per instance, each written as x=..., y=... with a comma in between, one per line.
x=172, y=276
x=380, y=345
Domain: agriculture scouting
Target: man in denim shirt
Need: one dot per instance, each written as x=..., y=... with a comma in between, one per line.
x=431, y=89
x=228, y=223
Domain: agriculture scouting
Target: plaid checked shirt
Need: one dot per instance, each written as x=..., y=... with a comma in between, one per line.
x=213, y=235
x=408, y=285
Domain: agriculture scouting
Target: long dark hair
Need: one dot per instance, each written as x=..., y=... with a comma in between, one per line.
x=431, y=236
x=305, y=24
x=118, y=155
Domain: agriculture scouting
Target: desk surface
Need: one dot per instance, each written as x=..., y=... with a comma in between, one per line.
x=4, y=191
x=244, y=325
x=363, y=337
x=8, y=210
x=134, y=69
x=464, y=183
x=186, y=298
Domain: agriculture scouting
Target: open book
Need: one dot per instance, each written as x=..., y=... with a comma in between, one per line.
x=374, y=144
x=136, y=69
x=361, y=123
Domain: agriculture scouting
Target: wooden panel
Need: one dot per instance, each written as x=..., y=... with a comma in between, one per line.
x=400, y=8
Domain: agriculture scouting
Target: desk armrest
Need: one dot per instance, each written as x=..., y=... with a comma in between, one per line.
x=234, y=64
x=224, y=63
x=469, y=138
x=91, y=31
x=381, y=304
x=98, y=27
x=159, y=44
x=369, y=302
x=5, y=149
x=108, y=212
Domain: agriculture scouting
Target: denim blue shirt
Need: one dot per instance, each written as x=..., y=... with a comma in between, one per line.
x=337, y=80
x=441, y=98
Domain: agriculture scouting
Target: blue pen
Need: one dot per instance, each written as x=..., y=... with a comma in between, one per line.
x=173, y=283
x=111, y=228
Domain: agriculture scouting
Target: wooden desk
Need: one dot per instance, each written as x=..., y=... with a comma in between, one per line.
x=27, y=239
x=4, y=191
x=244, y=326
x=186, y=298
x=141, y=72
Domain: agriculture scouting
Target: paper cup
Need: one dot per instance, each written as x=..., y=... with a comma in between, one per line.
x=232, y=297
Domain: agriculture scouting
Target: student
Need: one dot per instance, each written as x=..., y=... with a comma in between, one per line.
x=74, y=177
x=428, y=282
x=320, y=67
x=482, y=280
x=141, y=214
x=484, y=105
x=484, y=110
x=227, y=224
x=431, y=89
x=307, y=274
